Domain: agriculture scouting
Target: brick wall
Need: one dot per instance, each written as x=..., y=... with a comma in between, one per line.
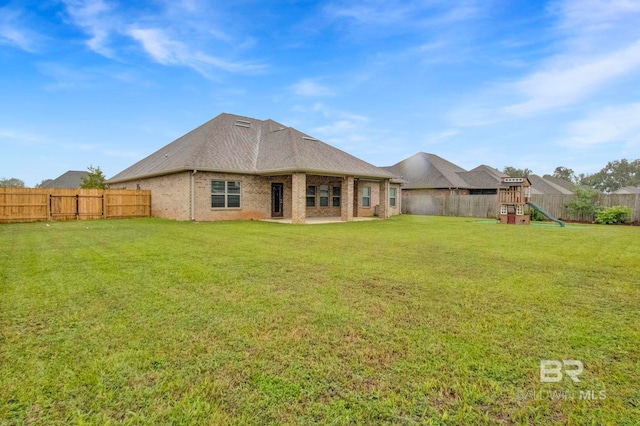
x=169, y=194
x=330, y=210
x=375, y=197
x=398, y=207
x=172, y=196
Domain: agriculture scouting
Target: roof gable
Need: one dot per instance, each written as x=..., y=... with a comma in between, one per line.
x=424, y=170
x=236, y=144
x=628, y=190
x=69, y=179
x=544, y=186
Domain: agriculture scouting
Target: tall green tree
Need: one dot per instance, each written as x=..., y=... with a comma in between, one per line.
x=565, y=173
x=95, y=179
x=615, y=175
x=515, y=172
x=11, y=183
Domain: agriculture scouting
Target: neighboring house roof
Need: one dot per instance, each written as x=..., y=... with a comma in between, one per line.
x=544, y=185
x=627, y=190
x=235, y=144
x=424, y=170
x=429, y=171
x=558, y=181
x=483, y=177
x=70, y=179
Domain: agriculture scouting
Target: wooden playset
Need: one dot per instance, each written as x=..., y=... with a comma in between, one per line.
x=513, y=195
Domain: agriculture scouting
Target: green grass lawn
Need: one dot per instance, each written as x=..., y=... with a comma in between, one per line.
x=413, y=320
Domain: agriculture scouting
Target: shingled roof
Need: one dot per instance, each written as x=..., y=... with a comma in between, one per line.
x=235, y=144
x=544, y=185
x=70, y=179
x=424, y=170
x=627, y=190
x=482, y=177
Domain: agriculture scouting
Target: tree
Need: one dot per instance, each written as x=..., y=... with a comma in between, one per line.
x=615, y=175
x=565, y=173
x=95, y=179
x=515, y=172
x=11, y=183
x=586, y=203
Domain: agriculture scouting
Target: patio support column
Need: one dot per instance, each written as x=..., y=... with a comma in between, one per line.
x=346, y=211
x=383, y=209
x=298, y=197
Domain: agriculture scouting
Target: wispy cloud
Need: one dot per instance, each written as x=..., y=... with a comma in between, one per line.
x=402, y=12
x=21, y=137
x=596, y=47
x=563, y=83
x=619, y=124
x=95, y=18
x=173, y=34
x=167, y=51
x=312, y=88
x=15, y=32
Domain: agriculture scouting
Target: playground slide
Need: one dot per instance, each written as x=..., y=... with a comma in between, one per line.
x=545, y=213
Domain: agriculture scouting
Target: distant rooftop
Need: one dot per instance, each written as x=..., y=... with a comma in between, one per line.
x=70, y=179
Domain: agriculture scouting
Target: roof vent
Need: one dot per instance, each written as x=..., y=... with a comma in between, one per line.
x=309, y=139
x=243, y=123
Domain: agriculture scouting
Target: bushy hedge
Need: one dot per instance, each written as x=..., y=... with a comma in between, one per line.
x=614, y=214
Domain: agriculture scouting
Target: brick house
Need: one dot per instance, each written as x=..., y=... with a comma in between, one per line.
x=235, y=167
x=428, y=174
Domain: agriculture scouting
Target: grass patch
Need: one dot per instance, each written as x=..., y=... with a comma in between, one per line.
x=425, y=320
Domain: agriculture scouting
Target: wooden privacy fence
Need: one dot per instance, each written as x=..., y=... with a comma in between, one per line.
x=38, y=204
x=486, y=205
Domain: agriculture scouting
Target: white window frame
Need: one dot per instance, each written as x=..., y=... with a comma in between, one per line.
x=226, y=193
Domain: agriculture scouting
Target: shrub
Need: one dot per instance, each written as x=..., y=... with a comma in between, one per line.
x=585, y=205
x=535, y=215
x=614, y=214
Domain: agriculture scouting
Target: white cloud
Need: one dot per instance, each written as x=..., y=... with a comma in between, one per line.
x=620, y=124
x=173, y=35
x=403, y=13
x=310, y=87
x=158, y=46
x=13, y=31
x=20, y=137
x=94, y=17
x=564, y=83
x=442, y=136
x=167, y=51
x=594, y=15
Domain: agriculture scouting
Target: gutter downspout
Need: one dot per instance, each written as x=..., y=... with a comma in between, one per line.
x=193, y=195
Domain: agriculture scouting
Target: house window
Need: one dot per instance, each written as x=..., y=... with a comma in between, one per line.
x=366, y=196
x=392, y=196
x=504, y=209
x=324, y=195
x=311, y=196
x=225, y=194
x=336, y=196
x=519, y=209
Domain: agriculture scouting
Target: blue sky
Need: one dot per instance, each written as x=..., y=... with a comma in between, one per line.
x=520, y=83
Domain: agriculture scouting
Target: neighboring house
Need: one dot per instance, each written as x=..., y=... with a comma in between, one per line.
x=549, y=185
x=483, y=180
x=70, y=179
x=235, y=167
x=429, y=174
x=627, y=190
